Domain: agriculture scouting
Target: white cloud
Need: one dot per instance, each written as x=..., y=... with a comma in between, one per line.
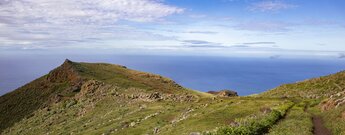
x=264, y=26
x=270, y=5
x=89, y=11
x=64, y=22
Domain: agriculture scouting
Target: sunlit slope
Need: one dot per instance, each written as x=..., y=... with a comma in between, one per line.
x=97, y=98
x=316, y=88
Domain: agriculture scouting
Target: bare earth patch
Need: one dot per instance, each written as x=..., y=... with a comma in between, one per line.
x=319, y=128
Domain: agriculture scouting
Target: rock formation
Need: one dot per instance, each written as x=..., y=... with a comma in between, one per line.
x=224, y=93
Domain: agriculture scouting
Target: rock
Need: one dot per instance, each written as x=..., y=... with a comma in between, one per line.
x=195, y=133
x=343, y=115
x=266, y=110
x=155, y=96
x=334, y=101
x=132, y=124
x=234, y=124
x=90, y=86
x=155, y=130
x=65, y=72
x=56, y=98
x=224, y=93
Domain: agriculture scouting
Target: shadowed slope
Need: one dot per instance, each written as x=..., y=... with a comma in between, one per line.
x=61, y=82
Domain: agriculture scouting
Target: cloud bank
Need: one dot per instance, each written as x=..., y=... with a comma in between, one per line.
x=61, y=22
x=85, y=11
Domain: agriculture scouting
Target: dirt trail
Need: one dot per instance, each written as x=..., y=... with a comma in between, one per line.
x=319, y=128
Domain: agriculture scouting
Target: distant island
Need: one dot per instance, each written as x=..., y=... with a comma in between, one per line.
x=100, y=98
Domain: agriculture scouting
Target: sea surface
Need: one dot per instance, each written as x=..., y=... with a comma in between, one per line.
x=244, y=75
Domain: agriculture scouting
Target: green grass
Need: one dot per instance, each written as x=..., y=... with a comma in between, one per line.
x=26, y=100
x=296, y=122
x=31, y=110
x=65, y=120
x=317, y=88
x=334, y=121
x=255, y=125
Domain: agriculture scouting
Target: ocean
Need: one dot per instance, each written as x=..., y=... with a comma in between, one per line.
x=244, y=75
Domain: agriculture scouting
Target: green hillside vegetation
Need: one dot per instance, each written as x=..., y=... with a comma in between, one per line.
x=296, y=122
x=324, y=97
x=100, y=98
x=335, y=120
x=316, y=88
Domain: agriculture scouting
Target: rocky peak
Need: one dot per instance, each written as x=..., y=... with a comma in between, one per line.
x=65, y=73
x=67, y=61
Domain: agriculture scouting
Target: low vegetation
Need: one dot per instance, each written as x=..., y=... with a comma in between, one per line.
x=316, y=88
x=296, y=122
x=99, y=98
x=335, y=120
x=255, y=125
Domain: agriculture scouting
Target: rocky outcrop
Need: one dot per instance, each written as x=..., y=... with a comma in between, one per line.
x=157, y=96
x=65, y=73
x=334, y=101
x=93, y=89
x=224, y=93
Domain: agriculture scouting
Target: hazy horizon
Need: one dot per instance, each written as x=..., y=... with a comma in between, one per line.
x=244, y=75
x=36, y=35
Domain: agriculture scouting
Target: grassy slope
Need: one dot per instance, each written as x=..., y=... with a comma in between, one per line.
x=321, y=87
x=106, y=112
x=333, y=119
x=318, y=89
x=103, y=111
x=22, y=102
x=296, y=122
x=102, y=119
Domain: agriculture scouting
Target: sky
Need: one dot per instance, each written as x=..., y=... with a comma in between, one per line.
x=244, y=28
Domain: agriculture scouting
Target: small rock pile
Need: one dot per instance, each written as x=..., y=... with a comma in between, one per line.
x=157, y=96
x=334, y=101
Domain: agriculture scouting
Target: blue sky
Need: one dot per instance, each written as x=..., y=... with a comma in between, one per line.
x=254, y=28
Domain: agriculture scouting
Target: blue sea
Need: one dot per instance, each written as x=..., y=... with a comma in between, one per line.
x=244, y=75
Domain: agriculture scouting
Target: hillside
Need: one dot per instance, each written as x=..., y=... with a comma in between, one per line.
x=100, y=98
x=97, y=98
x=63, y=83
x=316, y=88
x=323, y=97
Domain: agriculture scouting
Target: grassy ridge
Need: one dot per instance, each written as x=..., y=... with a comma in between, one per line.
x=112, y=100
x=103, y=98
x=318, y=88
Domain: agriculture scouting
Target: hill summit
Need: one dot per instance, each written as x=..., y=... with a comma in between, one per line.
x=100, y=98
